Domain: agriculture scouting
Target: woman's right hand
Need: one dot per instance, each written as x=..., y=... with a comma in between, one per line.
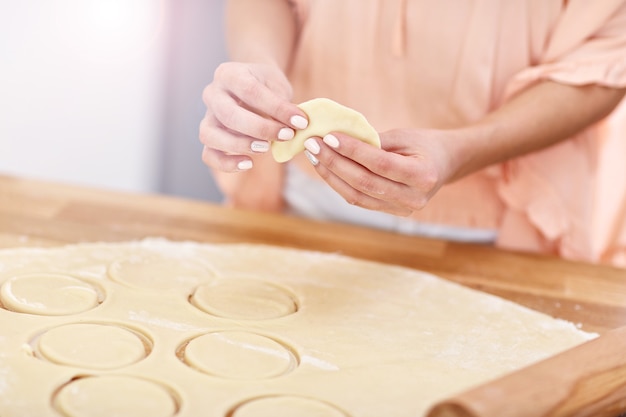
x=248, y=107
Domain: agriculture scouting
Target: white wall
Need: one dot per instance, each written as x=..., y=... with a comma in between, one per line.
x=81, y=94
x=196, y=48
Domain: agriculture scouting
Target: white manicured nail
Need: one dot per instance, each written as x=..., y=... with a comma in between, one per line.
x=312, y=146
x=244, y=165
x=299, y=122
x=260, y=146
x=331, y=141
x=286, y=133
x=312, y=159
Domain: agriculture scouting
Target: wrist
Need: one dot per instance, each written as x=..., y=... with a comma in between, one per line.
x=467, y=149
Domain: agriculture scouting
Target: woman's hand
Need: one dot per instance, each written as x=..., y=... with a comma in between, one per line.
x=399, y=179
x=248, y=107
x=413, y=164
x=248, y=104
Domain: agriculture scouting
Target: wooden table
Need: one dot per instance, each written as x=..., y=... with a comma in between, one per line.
x=35, y=213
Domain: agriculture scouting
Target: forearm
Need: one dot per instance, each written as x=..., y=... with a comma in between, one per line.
x=539, y=117
x=260, y=31
x=259, y=189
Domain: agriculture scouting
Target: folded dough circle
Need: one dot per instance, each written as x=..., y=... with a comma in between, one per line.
x=325, y=116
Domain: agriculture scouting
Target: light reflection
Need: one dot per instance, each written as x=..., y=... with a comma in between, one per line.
x=110, y=30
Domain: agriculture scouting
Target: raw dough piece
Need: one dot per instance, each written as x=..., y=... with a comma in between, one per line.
x=81, y=344
x=237, y=298
x=112, y=395
x=280, y=406
x=337, y=337
x=48, y=294
x=243, y=355
x=159, y=273
x=326, y=116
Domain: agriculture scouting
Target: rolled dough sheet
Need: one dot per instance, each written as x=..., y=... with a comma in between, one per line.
x=325, y=116
x=161, y=328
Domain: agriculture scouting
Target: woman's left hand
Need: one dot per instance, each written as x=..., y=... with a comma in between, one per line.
x=399, y=179
x=413, y=164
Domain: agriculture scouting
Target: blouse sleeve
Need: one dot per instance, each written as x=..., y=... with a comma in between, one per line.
x=587, y=46
x=570, y=199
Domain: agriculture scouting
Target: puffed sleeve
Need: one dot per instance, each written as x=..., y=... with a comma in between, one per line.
x=587, y=46
x=570, y=199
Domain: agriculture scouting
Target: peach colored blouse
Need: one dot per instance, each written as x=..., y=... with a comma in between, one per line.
x=442, y=64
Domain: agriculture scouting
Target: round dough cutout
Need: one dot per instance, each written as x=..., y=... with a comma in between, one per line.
x=239, y=355
x=159, y=273
x=287, y=406
x=115, y=395
x=240, y=298
x=93, y=346
x=48, y=295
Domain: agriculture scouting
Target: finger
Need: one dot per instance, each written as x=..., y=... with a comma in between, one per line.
x=359, y=177
x=217, y=137
x=224, y=162
x=356, y=197
x=354, y=182
x=355, y=174
x=235, y=117
x=257, y=96
x=396, y=167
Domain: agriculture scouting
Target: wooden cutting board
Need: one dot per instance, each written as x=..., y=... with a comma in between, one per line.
x=38, y=213
x=586, y=381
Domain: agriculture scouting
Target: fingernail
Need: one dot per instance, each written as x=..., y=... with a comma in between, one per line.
x=299, y=122
x=260, y=146
x=331, y=141
x=312, y=159
x=312, y=146
x=244, y=165
x=286, y=133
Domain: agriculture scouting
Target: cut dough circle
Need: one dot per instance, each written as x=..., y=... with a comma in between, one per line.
x=326, y=116
x=238, y=298
x=48, y=295
x=91, y=345
x=115, y=395
x=239, y=355
x=286, y=406
x=159, y=273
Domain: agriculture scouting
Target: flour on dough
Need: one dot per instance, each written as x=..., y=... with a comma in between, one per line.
x=326, y=116
x=161, y=328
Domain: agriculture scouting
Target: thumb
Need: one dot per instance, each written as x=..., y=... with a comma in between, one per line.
x=398, y=141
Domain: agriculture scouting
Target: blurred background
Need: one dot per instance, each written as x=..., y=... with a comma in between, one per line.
x=107, y=93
